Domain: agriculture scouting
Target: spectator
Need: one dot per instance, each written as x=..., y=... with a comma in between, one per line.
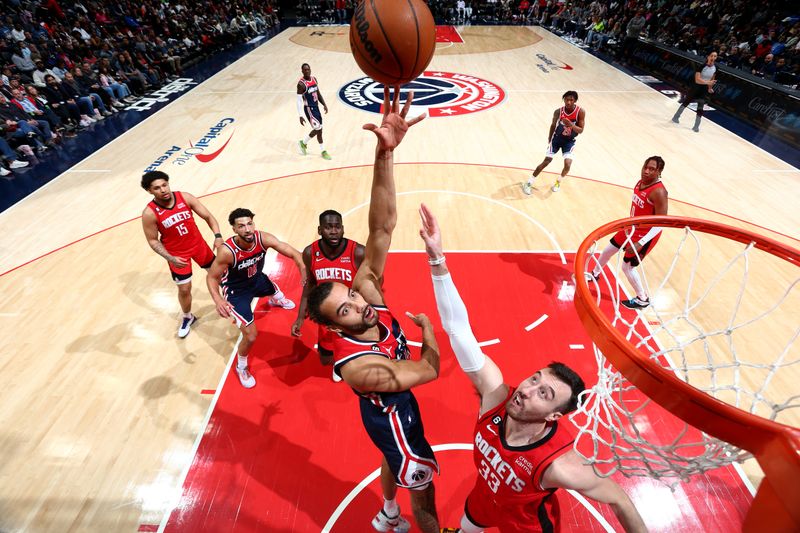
x=41, y=72
x=22, y=127
x=93, y=102
x=8, y=154
x=64, y=104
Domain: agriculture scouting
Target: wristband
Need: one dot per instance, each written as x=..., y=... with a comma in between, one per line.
x=437, y=261
x=218, y=235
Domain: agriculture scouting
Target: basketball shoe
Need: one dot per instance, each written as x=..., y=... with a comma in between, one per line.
x=245, y=377
x=556, y=186
x=398, y=524
x=636, y=303
x=527, y=187
x=284, y=302
x=326, y=155
x=186, y=325
x=303, y=147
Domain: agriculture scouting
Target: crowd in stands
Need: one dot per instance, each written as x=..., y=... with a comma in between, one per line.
x=762, y=38
x=67, y=65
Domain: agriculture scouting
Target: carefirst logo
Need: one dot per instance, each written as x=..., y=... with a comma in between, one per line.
x=198, y=149
x=441, y=94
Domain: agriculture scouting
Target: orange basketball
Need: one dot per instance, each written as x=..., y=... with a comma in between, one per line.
x=392, y=40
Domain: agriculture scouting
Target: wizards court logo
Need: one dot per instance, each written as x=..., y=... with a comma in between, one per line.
x=441, y=94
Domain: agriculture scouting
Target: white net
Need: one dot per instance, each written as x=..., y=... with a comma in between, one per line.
x=724, y=317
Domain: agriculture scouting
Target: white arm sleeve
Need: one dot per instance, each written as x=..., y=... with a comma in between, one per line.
x=455, y=321
x=650, y=236
x=300, y=106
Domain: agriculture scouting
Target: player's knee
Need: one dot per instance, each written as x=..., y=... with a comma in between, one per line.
x=251, y=334
x=185, y=289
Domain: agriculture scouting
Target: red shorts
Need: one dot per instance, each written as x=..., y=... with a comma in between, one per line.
x=325, y=339
x=620, y=240
x=534, y=515
x=201, y=254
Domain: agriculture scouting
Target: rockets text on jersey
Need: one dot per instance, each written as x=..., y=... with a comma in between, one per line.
x=246, y=263
x=641, y=206
x=176, y=226
x=341, y=268
x=513, y=473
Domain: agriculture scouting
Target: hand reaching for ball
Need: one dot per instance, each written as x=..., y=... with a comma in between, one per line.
x=394, y=125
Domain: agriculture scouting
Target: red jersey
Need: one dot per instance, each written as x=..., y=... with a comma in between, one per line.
x=510, y=491
x=179, y=233
x=641, y=205
x=392, y=345
x=341, y=268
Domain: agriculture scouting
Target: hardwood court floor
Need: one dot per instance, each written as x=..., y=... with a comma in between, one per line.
x=102, y=404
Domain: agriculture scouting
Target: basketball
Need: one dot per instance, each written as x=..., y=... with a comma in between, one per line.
x=392, y=40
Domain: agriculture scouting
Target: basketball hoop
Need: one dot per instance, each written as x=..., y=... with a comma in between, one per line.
x=694, y=369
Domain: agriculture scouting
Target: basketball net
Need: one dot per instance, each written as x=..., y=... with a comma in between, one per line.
x=617, y=424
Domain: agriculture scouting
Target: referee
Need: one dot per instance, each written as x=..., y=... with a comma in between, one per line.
x=703, y=86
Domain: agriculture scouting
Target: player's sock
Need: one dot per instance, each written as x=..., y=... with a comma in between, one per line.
x=605, y=255
x=241, y=361
x=321, y=147
x=390, y=507
x=635, y=281
x=187, y=315
x=306, y=139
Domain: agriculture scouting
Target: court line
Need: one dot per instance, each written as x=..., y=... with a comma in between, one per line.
x=74, y=171
x=441, y=448
x=490, y=200
x=653, y=89
x=536, y=322
x=200, y=433
x=489, y=343
x=369, y=165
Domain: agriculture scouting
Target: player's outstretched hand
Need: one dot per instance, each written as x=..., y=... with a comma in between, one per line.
x=430, y=232
x=394, y=125
x=421, y=320
x=296, y=327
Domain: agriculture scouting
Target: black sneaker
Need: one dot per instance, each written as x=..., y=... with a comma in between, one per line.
x=636, y=303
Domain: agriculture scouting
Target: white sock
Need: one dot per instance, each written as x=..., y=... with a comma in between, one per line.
x=187, y=315
x=307, y=140
x=605, y=255
x=241, y=361
x=468, y=527
x=390, y=507
x=278, y=292
x=635, y=281
x=321, y=147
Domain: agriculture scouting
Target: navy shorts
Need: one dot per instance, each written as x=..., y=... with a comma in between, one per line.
x=559, y=142
x=241, y=298
x=398, y=433
x=314, y=117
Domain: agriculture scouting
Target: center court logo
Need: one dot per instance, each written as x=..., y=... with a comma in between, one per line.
x=441, y=94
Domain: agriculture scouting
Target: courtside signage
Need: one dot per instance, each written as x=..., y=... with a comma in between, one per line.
x=201, y=150
x=441, y=94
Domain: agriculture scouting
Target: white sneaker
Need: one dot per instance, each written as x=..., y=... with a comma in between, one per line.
x=284, y=302
x=186, y=325
x=4, y=172
x=556, y=187
x=527, y=188
x=398, y=524
x=18, y=163
x=245, y=377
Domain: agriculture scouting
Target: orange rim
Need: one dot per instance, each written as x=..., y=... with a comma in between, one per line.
x=776, y=446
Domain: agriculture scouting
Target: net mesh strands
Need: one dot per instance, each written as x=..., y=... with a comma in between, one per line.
x=716, y=352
